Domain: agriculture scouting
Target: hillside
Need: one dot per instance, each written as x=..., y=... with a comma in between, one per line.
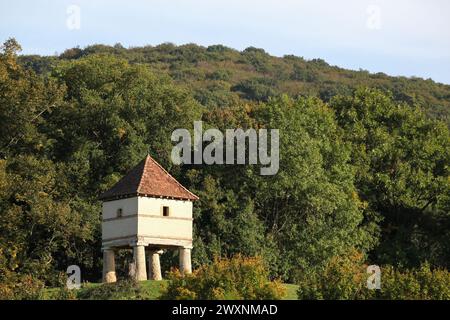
x=218, y=75
x=360, y=174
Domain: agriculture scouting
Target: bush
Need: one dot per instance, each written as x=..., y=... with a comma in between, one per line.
x=21, y=288
x=61, y=292
x=121, y=290
x=221, y=74
x=417, y=284
x=345, y=277
x=259, y=89
x=237, y=278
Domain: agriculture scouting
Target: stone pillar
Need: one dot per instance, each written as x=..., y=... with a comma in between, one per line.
x=185, y=260
x=139, y=262
x=154, y=266
x=109, y=266
x=131, y=270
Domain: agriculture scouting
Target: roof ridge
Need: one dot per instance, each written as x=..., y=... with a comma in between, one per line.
x=143, y=174
x=170, y=176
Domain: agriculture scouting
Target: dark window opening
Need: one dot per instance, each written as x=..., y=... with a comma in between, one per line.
x=165, y=211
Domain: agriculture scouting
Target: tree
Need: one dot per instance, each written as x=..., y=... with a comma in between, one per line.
x=402, y=160
x=25, y=100
x=310, y=207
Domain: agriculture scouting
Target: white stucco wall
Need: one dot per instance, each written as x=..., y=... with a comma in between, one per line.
x=117, y=228
x=153, y=206
x=163, y=227
x=143, y=216
x=129, y=206
x=178, y=225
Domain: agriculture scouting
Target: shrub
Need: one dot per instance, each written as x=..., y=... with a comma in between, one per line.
x=417, y=284
x=61, y=292
x=21, y=288
x=260, y=89
x=237, y=278
x=345, y=277
x=121, y=290
x=221, y=74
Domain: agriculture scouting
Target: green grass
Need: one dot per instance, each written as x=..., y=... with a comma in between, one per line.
x=152, y=288
x=150, y=291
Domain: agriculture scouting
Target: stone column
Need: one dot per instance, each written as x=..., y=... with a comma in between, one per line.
x=132, y=270
x=154, y=266
x=139, y=262
x=109, y=266
x=185, y=260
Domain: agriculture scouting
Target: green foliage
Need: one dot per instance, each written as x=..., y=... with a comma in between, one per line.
x=310, y=207
x=293, y=75
x=422, y=283
x=222, y=74
x=62, y=292
x=25, y=100
x=225, y=279
x=259, y=89
x=403, y=162
x=345, y=277
x=121, y=290
x=21, y=288
x=258, y=58
x=40, y=231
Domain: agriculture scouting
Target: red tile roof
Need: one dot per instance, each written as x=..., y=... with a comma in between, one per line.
x=148, y=178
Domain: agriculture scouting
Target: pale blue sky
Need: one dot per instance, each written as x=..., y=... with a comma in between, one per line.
x=401, y=37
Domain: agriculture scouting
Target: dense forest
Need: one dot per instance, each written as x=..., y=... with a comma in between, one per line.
x=364, y=158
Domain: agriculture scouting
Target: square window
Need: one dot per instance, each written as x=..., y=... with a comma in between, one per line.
x=165, y=211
